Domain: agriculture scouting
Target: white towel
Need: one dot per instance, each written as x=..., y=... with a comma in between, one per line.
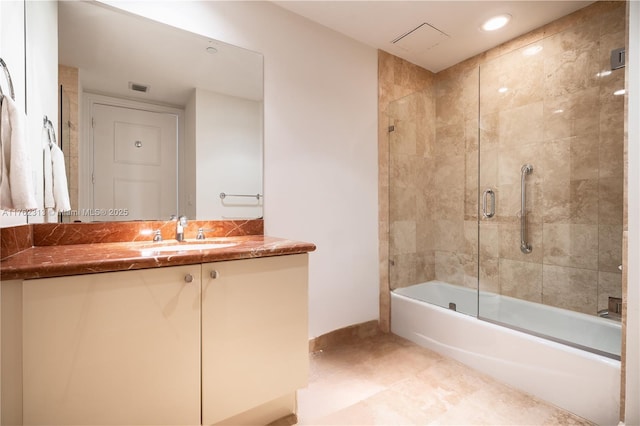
x=60, y=188
x=16, y=182
x=56, y=192
x=49, y=201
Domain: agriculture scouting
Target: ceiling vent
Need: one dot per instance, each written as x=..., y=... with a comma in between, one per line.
x=143, y=88
x=421, y=38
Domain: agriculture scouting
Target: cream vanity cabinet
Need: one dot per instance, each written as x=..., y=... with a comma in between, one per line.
x=112, y=348
x=255, y=348
x=181, y=345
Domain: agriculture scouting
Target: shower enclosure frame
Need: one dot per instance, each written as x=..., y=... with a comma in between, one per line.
x=404, y=264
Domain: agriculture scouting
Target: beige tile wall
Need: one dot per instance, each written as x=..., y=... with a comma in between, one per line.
x=575, y=194
x=68, y=79
x=561, y=116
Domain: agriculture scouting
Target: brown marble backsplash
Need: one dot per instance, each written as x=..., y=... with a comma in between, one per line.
x=15, y=239
x=18, y=238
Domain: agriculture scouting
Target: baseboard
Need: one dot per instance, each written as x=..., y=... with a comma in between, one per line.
x=289, y=420
x=278, y=412
x=345, y=335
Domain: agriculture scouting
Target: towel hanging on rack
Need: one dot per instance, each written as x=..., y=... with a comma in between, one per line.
x=56, y=191
x=47, y=168
x=60, y=188
x=17, y=192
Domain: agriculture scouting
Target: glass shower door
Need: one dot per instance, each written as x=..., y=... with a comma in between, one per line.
x=433, y=169
x=550, y=185
x=410, y=213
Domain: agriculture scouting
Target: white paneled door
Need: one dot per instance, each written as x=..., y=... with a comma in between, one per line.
x=135, y=163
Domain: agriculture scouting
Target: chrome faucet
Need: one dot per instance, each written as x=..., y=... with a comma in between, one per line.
x=614, y=309
x=157, y=236
x=180, y=224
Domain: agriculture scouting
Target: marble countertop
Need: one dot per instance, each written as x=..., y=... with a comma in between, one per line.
x=76, y=259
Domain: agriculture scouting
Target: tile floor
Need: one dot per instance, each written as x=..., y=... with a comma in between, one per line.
x=387, y=380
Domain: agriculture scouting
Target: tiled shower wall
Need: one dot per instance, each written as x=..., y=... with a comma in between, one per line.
x=557, y=114
x=68, y=79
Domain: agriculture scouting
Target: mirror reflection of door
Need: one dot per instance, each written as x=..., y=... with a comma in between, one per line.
x=135, y=163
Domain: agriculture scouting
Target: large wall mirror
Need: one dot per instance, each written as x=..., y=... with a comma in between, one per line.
x=157, y=121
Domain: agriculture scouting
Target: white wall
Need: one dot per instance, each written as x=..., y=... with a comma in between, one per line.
x=42, y=88
x=321, y=160
x=632, y=408
x=187, y=152
x=228, y=148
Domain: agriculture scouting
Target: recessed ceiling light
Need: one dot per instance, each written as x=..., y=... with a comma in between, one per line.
x=212, y=50
x=496, y=22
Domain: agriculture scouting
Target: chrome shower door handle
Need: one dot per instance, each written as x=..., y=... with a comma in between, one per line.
x=488, y=193
x=525, y=247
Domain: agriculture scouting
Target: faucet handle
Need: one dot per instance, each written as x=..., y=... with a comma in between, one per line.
x=157, y=235
x=201, y=232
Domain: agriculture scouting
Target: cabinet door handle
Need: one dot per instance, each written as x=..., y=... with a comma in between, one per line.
x=214, y=274
x=188, y=278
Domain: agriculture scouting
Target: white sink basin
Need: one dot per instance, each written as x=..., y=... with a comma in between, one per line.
x=188, y=247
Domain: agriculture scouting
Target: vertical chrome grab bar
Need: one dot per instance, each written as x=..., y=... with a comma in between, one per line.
x=488, y=192
x=525, y=247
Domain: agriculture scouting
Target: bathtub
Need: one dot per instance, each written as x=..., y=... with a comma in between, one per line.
x=583, y=382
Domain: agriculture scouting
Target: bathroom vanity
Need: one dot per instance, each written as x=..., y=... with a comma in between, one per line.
x=206, y=336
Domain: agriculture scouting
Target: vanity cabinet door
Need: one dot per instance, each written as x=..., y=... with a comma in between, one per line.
x=254, y=334
x=113, y=348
